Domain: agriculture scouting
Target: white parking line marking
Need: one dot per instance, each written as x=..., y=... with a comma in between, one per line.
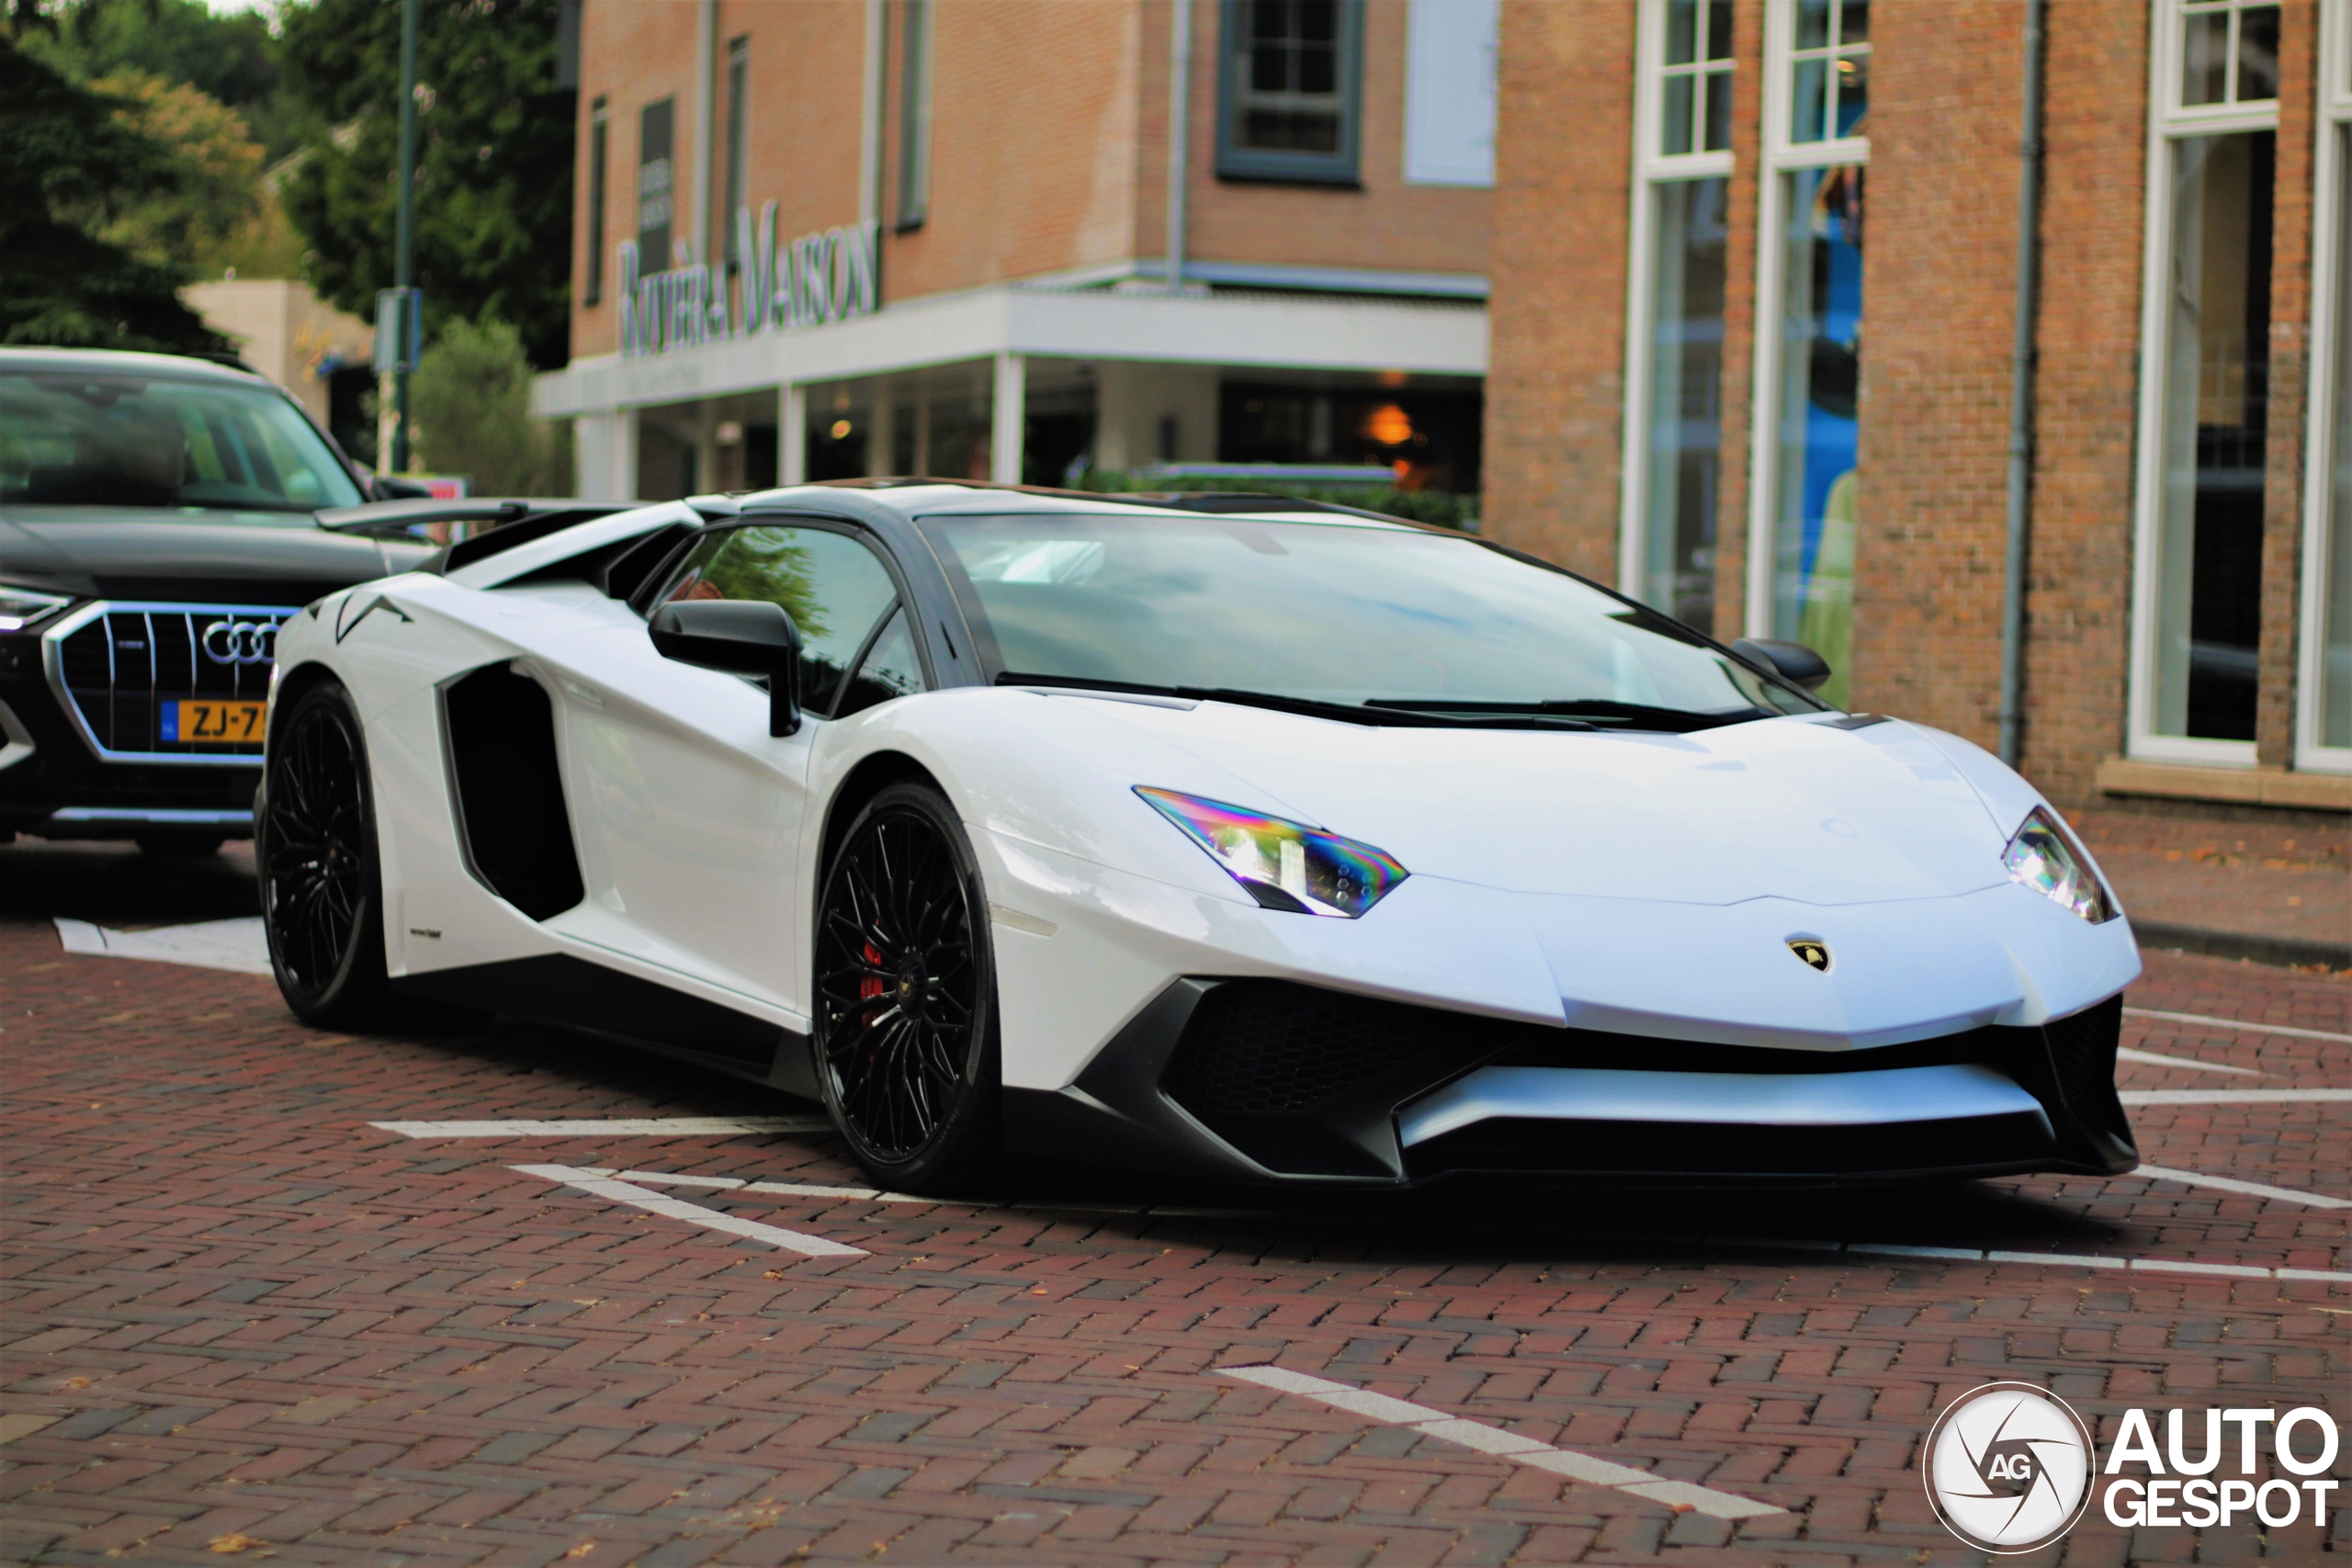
x=2251, y=1189
x=693, y=1213
x=2063, y=1259
x=2234, y=1096
x=235, y=944
x=614, y=1127
x=2157, y=1059
x=2237, y=1023
x=1683, y=1496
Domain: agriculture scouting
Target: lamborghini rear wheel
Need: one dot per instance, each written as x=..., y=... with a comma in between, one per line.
x=905, y=1019
x=315, y=847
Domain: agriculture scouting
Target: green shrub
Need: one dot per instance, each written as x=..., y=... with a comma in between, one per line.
x=469, y=399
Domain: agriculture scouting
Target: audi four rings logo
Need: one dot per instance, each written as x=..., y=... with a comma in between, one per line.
x=241, y=642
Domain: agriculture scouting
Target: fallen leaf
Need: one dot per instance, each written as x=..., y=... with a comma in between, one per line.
x=583, y=1550
x=73, y=1383
x=236, y=1540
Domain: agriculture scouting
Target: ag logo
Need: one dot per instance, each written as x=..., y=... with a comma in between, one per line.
x=1813, y=950
x=2008, y=1467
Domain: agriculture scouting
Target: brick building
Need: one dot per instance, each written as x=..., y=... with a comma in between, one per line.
x=1756, y=286
x=834, y=238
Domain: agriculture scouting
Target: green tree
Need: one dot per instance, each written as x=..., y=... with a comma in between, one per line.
x=213, y=187
x=470, y=400
x=493, y=177
x=229, y=58
x=71, y=160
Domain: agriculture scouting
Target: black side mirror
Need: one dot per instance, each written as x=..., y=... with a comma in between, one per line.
x=742, y=637
x=1791, y=662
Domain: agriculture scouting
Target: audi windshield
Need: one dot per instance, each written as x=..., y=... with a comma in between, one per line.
x=152, y=442
x=1388, y=623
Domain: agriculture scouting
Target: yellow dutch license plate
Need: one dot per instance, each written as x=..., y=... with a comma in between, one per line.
x=231, y=721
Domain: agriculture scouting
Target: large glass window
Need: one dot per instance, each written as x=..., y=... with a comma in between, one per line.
x=1674, y=370
x=739, y=94
x=598, y=141
x=2323, y=673
x=1288, y=90
x=1685, y=411
x=2229, y=53
x=1830, y=61
x=2216, y=379
x=2329, y=561
x=656, y=184
x=914, y=114
x=1821, y=356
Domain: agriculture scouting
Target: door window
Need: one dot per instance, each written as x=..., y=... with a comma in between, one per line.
x=890, y=670
x=834, y=588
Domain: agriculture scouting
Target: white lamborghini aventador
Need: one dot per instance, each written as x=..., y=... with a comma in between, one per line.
x=1282, y=844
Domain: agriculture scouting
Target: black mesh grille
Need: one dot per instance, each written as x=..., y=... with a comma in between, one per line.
x=127, y=667
x=1270, y=1048
x=2082, y=1050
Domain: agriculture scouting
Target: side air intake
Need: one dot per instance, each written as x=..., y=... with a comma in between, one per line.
x=506, y=788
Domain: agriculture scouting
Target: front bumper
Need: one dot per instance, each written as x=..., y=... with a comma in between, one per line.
x=1268, y=1080
x=54, y=786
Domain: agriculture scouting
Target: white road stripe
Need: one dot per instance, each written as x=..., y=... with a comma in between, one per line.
x=2252, y=1189
x=613, y=1127
x=1680, y=1495
x=693, y=1213
x=2237, y=1023
x=2157, y=1059
x=2055, y=1259
x=2236, y=1095
x=236, y=944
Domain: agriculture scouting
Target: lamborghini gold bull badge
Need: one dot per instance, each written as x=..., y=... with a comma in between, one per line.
x=1813, y=951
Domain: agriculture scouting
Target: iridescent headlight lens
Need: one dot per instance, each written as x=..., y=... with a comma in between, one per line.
x=2044, y=857
x=1284, y=865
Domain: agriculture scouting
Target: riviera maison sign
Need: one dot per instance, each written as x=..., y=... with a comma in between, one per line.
x=827, y=277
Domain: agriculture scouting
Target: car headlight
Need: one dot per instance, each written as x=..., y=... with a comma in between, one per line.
x=2043, y=856
x=20, y=607
x=1284, y=865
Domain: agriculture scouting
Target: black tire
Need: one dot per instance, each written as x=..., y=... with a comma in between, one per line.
x=905, y=1014
x=179, y=846
x=314, y=846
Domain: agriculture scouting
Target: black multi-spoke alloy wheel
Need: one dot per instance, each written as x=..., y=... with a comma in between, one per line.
x=321, y=902
x=906, y=996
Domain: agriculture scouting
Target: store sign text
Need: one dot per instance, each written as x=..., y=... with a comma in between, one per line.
x=827, y=277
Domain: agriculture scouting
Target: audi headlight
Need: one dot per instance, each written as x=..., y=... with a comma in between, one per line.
x=2044, y=857
x=20, y=607
x=1284, y=865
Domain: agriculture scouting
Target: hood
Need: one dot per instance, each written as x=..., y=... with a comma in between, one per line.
x=259, y=558
x=1799, y=808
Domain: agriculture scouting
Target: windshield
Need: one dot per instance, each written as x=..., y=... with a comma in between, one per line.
x=72, y=440
x=1352, y=614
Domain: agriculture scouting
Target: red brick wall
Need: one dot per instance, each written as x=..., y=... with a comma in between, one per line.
x=1939, y=281
x=2087, y=337
x=1556, y=353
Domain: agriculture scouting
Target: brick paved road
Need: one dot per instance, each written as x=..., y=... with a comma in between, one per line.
x=240, y=1321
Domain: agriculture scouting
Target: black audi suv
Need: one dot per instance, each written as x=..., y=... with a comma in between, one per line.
x=157, y=527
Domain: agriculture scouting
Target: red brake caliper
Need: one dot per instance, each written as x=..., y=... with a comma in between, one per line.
x=871, y=986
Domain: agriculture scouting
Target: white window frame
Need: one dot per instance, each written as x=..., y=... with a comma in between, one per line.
x=2169, y=122
x=2328, y=262
x=1783, y=155
x=1652, y=167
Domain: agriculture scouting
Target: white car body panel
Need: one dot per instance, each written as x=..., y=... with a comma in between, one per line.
x=1636, y=885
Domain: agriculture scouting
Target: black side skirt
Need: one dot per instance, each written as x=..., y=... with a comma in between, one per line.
x=554, y=987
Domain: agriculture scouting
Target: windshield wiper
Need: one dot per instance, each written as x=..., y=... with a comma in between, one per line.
x=1380, y=714
x=1604, y=711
